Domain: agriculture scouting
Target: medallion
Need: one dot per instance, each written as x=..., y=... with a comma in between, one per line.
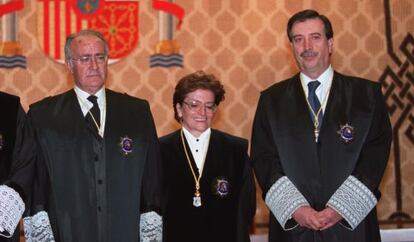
x=221, y=187
x=316, y=133
x=197, y=194
x=346, y=132
x=197, y=199
x=126, y=145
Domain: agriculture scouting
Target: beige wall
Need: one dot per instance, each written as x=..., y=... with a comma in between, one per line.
x=244, y=43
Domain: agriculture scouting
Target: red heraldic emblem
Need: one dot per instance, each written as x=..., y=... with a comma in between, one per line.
x=119, y=25
x=117, y=20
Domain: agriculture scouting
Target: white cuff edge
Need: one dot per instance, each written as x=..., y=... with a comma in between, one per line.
x=283, y=199
x=11, y=210
x=353, y=201
x=150, y=227
x=37, y=228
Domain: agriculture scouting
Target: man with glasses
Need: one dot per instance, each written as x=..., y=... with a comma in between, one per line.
x=97, y=174
x=320, y=144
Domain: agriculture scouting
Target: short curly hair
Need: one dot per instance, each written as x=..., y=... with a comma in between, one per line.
x=193, y=82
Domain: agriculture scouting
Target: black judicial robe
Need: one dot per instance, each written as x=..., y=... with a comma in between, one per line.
x=225, y=218
x=11, y=122
x=283, y=144
x=91, y=189
x=9, y=107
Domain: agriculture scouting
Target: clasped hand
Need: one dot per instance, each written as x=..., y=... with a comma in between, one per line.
x=310, y=218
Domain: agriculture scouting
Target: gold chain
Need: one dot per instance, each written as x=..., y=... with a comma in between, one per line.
x=98, y=127
x=196, y=179
x=315, y=116
x=94, y=120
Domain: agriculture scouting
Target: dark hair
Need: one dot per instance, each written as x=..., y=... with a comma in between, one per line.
x=309, y=14
x=193, y=82
x=85, y=32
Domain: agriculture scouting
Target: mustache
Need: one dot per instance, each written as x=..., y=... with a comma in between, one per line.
x=308, y=53
x=93, y=73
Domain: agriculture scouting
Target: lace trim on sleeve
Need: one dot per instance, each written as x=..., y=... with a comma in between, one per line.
x=283, y=198
x=11, y=210
x=353, y=201
x=37, y=228
x=150, y=227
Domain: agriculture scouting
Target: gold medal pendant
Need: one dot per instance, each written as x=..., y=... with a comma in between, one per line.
x=315, y=116
x=316, y=132
x=197, y=194
x=197, y=199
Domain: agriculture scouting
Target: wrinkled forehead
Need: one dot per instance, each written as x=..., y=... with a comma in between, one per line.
x=87, y=44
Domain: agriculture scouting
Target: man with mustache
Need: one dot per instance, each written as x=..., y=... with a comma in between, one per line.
x=97, y=175
x=320, y=144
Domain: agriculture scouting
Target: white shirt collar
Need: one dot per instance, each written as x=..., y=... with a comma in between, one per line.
x=323, y=89
x=84, y=102
x=203, y=136
x=198, y=146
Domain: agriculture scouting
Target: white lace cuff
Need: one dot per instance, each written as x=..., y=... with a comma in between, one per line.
x=353, y=201
x=283, y=198
x=150, y=227
x=11, y=210
x=37, y=228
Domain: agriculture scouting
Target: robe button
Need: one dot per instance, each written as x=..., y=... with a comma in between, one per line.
x=100, y=181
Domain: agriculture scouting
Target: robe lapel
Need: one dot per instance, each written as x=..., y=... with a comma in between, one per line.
x=338, y=158
x=68, y=133
x=293, y=129
x=213, y=155
x=70, y=114
x=73, y=115
x=109, y=115
x=218, y=166
x=337, y=110
x=303, y=116
x=71, y=102
x=190, y=156
x=297, y=123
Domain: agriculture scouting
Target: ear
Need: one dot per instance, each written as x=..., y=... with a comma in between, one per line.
x=69, y=65
x=179, y=110
x=330, y=45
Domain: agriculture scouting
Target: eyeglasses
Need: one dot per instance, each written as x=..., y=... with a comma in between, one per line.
x=87, y=59
x=196, y=106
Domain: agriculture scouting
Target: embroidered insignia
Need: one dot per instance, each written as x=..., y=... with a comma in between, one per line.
x=221, y=187
x=126, y=145
x=346, y=132
x=1, y=142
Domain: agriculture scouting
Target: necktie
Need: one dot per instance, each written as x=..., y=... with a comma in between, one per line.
x=94, y=114
x=314, y=101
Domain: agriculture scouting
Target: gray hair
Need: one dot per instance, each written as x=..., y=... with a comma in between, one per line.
x=85, y=32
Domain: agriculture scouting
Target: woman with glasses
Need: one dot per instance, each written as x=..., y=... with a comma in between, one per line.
x=210, y=190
